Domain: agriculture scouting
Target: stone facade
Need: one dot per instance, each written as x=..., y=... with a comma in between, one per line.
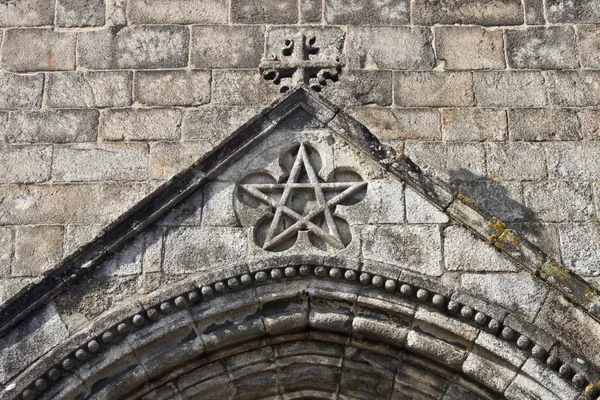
x=374, y=262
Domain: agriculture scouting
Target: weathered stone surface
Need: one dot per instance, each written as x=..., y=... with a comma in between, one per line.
x=116, y=12
x=486, y=12
x=264, y=11
x=359, y=88
x=364, y=12
x=518, y=292
x=559, y=201
x=72, y=13
x=542, y=48
x=95, y=162
x=469, y=47
x=226, y=46
x=449, y=161
x=495, y=375
x=241, y=88
x=118, y=197
x=420, y=211
x=172, y=88
x=60, y=126
x=218, y=207
x=503, y=200
x=465, y=252
x=330, y=40
x=525, y=388
x=311, y=11
x=38, y=334
x=27, y=50
x=409, y=247
x=534, y=12
x=590, y=123
x=25, y=164
x=21, y=91
x=37, y=248
x=543, y=235
x=78, y=235
x=195, y=249
x=573, y=160
x=88, y=89
x=376, y=48
x=433, y=89
x=6, y=250
x=473, y=124
x=521, y=161
x=3, y=126
x=139, y=47
x=374, y=209
x=577, y=329
x=509, y=89
x=26, y=13
x=543, y=124
x=582, y=11
x=589, y=46
x=549, y=379
x=580, y=245
x=168, y=158
x=141, y=124
x=400, y=123
x=214, y=124
x=177, y=12
x=457, y=392
x=45, y=204
x=573, y=88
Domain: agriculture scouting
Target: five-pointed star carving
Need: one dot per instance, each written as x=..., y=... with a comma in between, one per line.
x=330, y=234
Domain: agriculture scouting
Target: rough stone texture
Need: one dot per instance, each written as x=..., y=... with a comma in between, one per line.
x=20, y=91
x=433, y=89
x=214, y=124
x=88, y=90
x=140, y=47
x=469, y=47
x=573, y=88
x=543, y=124
x=583, y=11
x=400, y=123
x=465, y=252
x=374, y=48
x=26, y=13
x=503, y=200
x=590, y=123
x=240, y=88
x=578, y=330
x=116, y=12
x=534, y=12
x=516, y=161
x=573, y=160
x=517, y=292
x=36, y=249
x=26, y=164
x=80, y=13
x=6, y=250
x=559, y=201
x=364, y=12
x=27, y=50
x=362, y=88
x=168, y=158
x=449, y=161
x=226, y=46
x=484, y=12
x=420, y=211
x=473, y=124
x=589, y=46
x=411, y=247
x=141, y=124
x=581, y=248
x=59, y=126
x=177, y=12
x=94, y=162
x=509, y=89
x=311, y=11
x=172, y=88
x=542, y=48
x=264, y=11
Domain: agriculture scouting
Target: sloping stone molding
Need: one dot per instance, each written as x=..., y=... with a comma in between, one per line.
x=199, y=320
x=500, y=337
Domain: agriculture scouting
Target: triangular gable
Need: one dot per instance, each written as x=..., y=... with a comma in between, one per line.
x=298, y=107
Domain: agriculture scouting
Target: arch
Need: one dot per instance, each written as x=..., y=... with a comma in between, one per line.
x=156, y=342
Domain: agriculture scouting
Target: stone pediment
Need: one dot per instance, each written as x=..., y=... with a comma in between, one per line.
x=304, y=190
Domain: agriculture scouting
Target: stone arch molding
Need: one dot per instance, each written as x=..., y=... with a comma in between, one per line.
x=413, y=332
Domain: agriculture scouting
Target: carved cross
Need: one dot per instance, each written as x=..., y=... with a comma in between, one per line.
x=295, y=66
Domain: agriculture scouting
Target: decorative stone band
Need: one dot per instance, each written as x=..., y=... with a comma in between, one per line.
x=412, y=301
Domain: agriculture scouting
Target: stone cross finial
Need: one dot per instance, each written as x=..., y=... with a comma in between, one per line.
x=296, y=65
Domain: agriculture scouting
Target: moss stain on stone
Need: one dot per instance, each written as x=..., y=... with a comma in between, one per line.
x=553, y=268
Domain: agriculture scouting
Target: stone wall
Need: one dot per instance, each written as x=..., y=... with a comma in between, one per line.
x=102, y=103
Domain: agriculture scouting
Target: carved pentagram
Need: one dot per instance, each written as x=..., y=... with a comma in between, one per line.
x=315, y=215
